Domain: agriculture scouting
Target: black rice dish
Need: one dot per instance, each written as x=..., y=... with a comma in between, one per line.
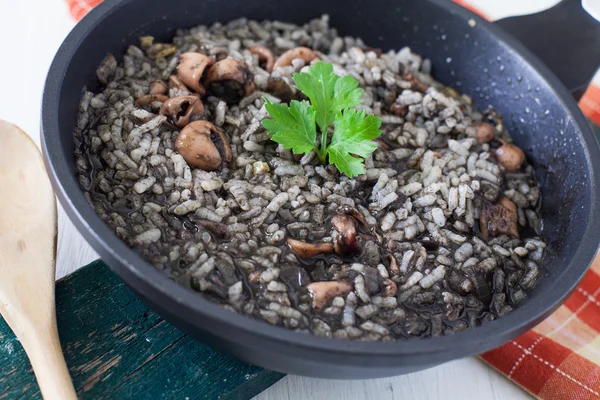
x=440, y=234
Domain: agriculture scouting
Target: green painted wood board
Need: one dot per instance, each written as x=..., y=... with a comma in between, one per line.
x=117, y=348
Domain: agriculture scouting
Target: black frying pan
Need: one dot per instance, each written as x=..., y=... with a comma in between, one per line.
x=481, y=60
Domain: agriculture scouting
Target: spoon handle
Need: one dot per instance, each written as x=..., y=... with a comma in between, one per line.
x=42, y=346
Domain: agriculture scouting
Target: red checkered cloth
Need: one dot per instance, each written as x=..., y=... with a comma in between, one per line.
x=560, y=358
x=78, y=8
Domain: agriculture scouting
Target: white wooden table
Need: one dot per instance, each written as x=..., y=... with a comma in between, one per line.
x=30, y=33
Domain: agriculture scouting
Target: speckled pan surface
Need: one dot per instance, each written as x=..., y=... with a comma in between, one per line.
x=470, y=55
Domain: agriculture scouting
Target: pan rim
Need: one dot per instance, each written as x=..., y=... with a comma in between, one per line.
x=148, y=280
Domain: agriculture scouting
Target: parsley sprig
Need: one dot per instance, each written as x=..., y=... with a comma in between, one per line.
x=332, y=101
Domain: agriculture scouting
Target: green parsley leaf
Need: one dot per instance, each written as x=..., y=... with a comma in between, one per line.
x=328, y=93
x=353, y=136
x=293, y=127
x=332, y=99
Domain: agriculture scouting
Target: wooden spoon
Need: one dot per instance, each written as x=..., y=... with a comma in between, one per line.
x=27, y=259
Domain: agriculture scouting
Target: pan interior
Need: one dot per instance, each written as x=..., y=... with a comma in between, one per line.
x=464, y=55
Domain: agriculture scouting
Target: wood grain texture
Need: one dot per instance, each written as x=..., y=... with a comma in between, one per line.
x=27, y=259
x=465, y=379
x=116, y=348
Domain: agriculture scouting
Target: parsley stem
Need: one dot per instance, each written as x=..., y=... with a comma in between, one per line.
x=323, y=153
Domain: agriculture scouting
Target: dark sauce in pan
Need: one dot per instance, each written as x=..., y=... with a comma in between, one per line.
x=425, y=312
x=421, y=317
